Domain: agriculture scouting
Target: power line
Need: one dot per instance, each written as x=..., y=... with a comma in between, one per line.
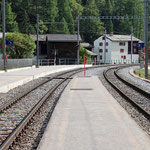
x=109, y=17
x=45, y=23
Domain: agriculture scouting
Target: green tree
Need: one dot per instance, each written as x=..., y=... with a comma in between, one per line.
x=25, y=15
x=83, y=52
x=22, y=14
x=63, y=27
x=42, y=28
x=93, y=28
x=76, y=8
x=108, y=12
x=128, y=8
x=11, y=24
x=84, y=2
x=23, y=45
x=49, y=14
x=100, y=6
x=65, y=12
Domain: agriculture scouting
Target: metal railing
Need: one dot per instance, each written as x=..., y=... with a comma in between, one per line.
x=118, y=62
x=67, y=61
x=46, y=62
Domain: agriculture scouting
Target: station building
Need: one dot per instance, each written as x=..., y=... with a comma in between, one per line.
x=118, y=49
x=64, y=44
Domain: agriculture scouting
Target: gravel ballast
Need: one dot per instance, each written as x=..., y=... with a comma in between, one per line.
x=125, y=73
x=31, y=136
x=141, y=120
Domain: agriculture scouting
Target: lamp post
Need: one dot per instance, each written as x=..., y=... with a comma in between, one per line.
x=146, y=36
x=105, y=49
x=37, y=46
x=78, y=42
x=131, y=43
x=3, y=28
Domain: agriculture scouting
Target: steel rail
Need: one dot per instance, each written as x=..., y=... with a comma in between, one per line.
x=141, y=91
x=14, y=100
x=19, y=128
x=147, y=114
x=7, y=143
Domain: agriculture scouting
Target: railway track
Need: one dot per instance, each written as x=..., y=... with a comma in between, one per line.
x=18, y=112
x=139, y=98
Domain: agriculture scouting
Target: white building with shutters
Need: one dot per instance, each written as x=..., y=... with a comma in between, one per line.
x=118, y=49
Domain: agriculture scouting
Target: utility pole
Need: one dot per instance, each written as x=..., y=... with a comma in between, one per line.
x=146, y=36
x=105, y=48
x=78, y=42
x=3, y=26
x=131, y=43
x=37, y=47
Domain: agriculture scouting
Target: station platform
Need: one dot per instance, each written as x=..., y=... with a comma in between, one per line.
x=15, y=77
x=87, y=117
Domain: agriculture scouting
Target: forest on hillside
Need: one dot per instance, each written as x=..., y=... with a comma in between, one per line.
x=61, y=15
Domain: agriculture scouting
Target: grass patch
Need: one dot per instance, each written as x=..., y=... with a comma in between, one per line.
x=141, y=72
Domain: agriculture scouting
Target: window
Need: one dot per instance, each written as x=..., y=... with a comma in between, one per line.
x=106, y=50
x=100, y=44
x=121, y=50
x=106, y=43
x=101, y=57
x=100, y=50
x=103, y=38
x=123, y=57
x=122, y=43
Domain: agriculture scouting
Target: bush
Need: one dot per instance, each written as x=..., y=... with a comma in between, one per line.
x=83, y=51
x=23, y=46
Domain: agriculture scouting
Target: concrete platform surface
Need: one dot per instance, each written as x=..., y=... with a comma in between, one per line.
x=87, y=117
x=12, y=79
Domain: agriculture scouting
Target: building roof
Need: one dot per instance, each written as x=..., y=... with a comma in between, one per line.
x=63, y=37
x=41, y=37
x=57, y=37
x=86, y=45
x=91, y=53
x=117, y=38
x=1, y=34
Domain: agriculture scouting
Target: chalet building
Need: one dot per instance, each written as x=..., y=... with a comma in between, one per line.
x=64, y=44
x=118, y=49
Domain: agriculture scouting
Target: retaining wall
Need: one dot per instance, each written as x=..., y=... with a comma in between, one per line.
x=14, y=63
